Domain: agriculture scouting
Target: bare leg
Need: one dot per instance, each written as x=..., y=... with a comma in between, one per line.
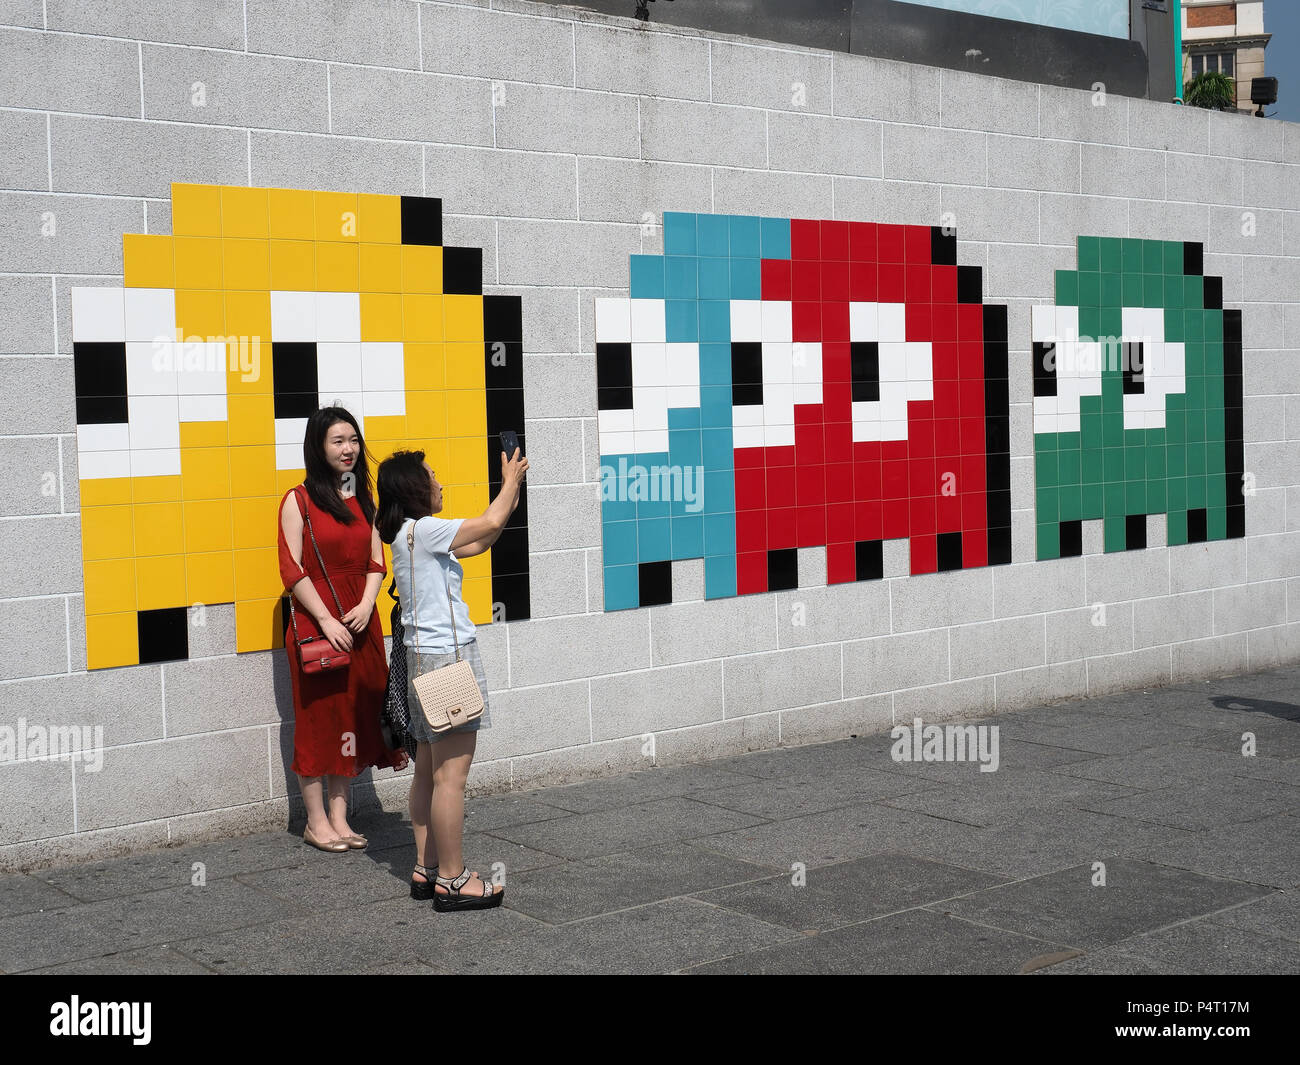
x=420, y=804
x=451, y=761
x=313, y=798
x=338, y=799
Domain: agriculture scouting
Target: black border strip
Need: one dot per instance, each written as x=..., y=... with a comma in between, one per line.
x=997, y=434
x=1234, y=439
x=503, y=379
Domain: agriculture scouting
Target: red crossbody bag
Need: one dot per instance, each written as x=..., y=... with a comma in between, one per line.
x=315, y=653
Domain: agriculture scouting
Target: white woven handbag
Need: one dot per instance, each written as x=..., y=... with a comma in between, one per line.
x=449, y=695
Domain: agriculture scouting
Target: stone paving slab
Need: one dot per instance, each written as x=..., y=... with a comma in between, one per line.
x=912, y=942
x=635, y=788
x=1071, y=907
x=1208, y=804
x=1198, y=947
x=830, y=857
x=27, y=894
x=91, y=930
x=1276, y=915
x=848, y=892
x=625, y=827
x=573, y=890
x=662, y=937
x=1264, y=852
x=1002, y=797
x=398, y=932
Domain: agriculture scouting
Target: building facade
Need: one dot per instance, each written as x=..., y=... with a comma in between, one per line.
x=1225, y=37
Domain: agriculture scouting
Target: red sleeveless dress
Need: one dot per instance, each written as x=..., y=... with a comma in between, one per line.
x=336, y=712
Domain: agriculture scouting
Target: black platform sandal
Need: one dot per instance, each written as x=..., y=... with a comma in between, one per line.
x=455, y=901
x=424, y=891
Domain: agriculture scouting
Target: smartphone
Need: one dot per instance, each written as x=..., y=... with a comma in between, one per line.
x=509, y=442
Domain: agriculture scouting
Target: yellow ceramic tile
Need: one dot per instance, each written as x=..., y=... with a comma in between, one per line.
x=110, y=586
x=105, y=491
x=159, y=529
x=148, y=261
x=112, y=640
x=379, y=218
x=292, y=214
x=426, y=414
x=385, y=429
x=465, y=367
x=156, y=489
x=466, y=414
x=336, y=216
x=293, y=265
x=197, y=261
x=337, y=267
x=210, y=578
x=478, y=565
x=251, y=419
x=200, y=313
x=476, y=497
x=381, y=267
x=257, y=625
x=422, y=318
x=437, y=456
x=202, y=434
x=468, y=459
x=381, y=316
x=477, y=594
x=463, y=317
x=245, y=212
x=205, y=473
x=207, y=525
x=421, y=268
x=252, y=470
x=160, y=582
x=107, y=532
x=251, y=370
x=286, y=480
x=248, y=315
x=424, y=366
x=196, y=210
x=257, y=573
x=246, y=264
x=256, y=522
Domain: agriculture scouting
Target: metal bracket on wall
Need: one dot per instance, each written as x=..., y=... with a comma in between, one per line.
x=1155, y=5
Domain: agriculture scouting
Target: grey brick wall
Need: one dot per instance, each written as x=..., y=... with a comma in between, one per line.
x=554, y=136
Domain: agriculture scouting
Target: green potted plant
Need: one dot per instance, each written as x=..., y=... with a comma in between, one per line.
x=1211, y=90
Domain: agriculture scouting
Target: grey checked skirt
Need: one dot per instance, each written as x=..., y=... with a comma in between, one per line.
x=420, y=729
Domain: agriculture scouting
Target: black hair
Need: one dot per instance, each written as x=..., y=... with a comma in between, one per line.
x=404, y=492
x=322, y=479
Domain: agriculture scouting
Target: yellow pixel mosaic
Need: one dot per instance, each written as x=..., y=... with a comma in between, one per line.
x=195, y=377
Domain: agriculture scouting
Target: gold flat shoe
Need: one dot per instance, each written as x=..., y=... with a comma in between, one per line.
x=338, y=846
x=356, y=843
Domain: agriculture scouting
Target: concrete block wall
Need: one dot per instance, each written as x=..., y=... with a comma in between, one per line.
x=557, y=139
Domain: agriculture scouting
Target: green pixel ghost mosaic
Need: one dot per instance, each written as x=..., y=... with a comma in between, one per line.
x=1137, y=399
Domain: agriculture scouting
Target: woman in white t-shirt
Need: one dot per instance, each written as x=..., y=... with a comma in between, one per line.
x=410, y=493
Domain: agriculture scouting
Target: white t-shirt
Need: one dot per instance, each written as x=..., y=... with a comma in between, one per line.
x=436, y=569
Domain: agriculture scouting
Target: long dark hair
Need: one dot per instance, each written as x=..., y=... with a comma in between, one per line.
x=322, y=479
x=403, y=492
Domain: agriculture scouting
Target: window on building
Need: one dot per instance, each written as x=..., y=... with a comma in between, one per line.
x=1215, y=62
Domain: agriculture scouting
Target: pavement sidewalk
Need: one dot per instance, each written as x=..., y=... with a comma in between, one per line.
x=829, y=858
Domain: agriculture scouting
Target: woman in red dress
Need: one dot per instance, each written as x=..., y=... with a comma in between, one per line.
x=336, y=712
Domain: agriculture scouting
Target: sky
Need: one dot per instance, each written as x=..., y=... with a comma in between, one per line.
x=1282, y=58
